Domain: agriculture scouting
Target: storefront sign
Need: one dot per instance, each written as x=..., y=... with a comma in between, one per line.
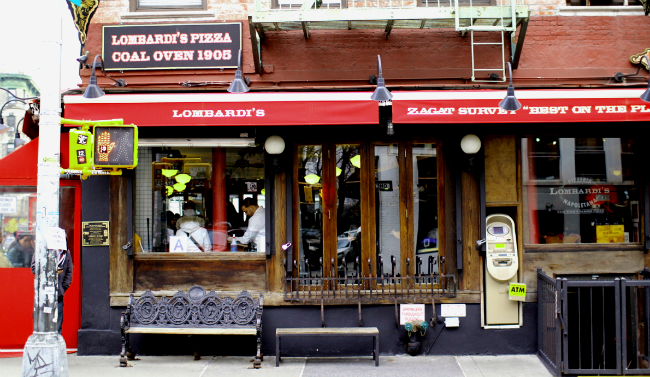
x=543, y=106
x=94, y=233
x=225, y=109
x=171, y=46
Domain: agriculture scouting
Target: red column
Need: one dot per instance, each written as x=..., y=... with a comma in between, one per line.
x=219, y=199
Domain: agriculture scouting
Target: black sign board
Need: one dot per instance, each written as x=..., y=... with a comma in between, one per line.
x=94, y=233
x=384, y=185
x=116, y=146
x=182, y=46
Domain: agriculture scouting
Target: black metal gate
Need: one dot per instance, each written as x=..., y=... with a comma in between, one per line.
x=594, y=326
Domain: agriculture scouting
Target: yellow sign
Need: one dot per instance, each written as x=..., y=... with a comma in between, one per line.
x=610, y=234
x=517, y=291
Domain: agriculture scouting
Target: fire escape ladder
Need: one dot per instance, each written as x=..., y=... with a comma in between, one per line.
x=470, y=18
x=501, y=69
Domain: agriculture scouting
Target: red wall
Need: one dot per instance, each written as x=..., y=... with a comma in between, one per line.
x=557, y=50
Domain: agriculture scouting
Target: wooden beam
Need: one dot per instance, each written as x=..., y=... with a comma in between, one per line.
x=305, y=30
x=520, y=42
x=471, y=210
x=255, y=46
x=274, y=268
x=120, y=265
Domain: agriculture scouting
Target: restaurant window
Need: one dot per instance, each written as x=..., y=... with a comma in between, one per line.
x=18, y=223
x=335, y=192
x=580, y=190
x=199, y=194
x=167, y=5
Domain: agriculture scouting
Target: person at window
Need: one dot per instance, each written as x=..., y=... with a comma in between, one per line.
x=191, y=226
x=64, y=279
x=21, y=251
x=256, y=230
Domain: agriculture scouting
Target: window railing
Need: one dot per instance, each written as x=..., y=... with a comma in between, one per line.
x=352, y=286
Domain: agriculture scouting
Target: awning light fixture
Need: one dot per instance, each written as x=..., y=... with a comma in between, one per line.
x=510, y=103
x=17, y=140
x=239, y=84
x=381, y=92
x=93, y=90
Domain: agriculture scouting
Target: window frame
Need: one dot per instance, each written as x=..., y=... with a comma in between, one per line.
x=368, y=223
x=275, y=4
x=526, y=181
x=134, y=6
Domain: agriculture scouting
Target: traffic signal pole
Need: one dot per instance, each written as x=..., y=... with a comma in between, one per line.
x=45, y=350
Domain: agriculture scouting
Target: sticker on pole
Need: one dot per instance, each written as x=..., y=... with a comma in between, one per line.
x=517, y=291
x=55, y=238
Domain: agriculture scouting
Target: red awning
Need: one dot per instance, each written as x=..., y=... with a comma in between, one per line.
x=221, y=109
x=538, y=106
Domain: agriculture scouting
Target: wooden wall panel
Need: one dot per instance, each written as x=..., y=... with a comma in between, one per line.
x=121, y=266
x=182, y=272
x=578, y=262
x=471, y=212
x=274, y=268
x=501, y=169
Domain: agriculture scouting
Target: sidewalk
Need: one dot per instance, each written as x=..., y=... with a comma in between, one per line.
x=389, y=366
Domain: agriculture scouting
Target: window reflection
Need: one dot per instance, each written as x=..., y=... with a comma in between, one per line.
x=18, y=222
x=592, y=198
x=387, y=218
x=198, y=195
x=425, y=200
x=310, y=173
x=348, y=207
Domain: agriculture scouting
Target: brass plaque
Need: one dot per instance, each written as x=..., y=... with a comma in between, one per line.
x=94, y=233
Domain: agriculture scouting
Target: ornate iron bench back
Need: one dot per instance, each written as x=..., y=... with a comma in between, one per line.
x=193, y=309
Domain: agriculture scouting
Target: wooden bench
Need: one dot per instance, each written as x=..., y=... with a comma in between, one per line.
x=327, y=331
x=193, y=313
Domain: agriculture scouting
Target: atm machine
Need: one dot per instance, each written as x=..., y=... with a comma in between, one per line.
x=501, y=266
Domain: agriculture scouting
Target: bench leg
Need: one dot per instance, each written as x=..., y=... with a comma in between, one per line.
x=126, y=353
x=277, y=351
x=257, y=363
x=376, y=350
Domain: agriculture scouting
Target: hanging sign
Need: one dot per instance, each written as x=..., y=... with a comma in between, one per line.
x=184, y=46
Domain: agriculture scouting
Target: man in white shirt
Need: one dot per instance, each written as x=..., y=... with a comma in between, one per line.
x=256, y=230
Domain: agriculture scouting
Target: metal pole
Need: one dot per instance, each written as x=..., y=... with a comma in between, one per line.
x=45, y=350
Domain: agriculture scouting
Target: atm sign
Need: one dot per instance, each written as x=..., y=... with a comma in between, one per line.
x=517, y=291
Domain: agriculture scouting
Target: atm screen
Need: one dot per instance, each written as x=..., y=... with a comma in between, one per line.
x=497, y=230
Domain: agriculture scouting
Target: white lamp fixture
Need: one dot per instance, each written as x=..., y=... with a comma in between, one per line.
x=470, y=144
x=274, y=145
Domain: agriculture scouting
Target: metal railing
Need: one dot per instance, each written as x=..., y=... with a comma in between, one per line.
x=351, y=285
x=347, y=287
x=594, y=326
x=549, y=346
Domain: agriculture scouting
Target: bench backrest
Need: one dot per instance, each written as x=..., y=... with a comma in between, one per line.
x=196, y=308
